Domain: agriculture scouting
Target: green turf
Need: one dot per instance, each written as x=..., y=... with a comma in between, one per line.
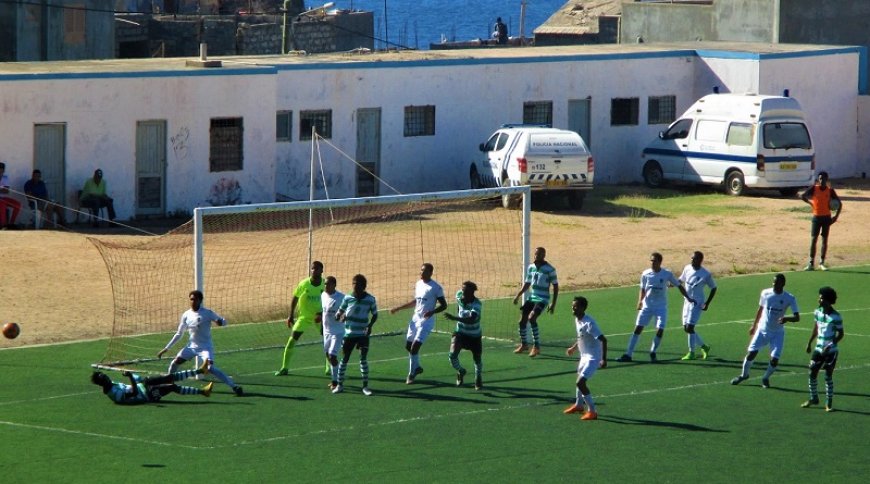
x=671, y=422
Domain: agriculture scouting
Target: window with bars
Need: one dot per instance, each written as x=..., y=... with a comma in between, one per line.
x=225, y=144
x=419, y=120
x=284, y=126
x=320, y=120
x=624, y=111
x=538, y=112
x=662, y=109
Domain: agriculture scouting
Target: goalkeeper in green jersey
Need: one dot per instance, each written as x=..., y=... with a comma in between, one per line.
x=306, y=299
x=827, y=332
x=467, y=334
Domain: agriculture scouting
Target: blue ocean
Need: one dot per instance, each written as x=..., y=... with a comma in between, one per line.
x=417, y=23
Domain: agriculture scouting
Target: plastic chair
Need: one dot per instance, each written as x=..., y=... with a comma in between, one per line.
x=95, y=213
x=36, y=213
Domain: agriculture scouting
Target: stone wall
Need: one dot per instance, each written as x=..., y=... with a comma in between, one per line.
x=258, y=39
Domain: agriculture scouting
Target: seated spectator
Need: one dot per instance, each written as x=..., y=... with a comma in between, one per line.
x=37, y=193
x=7, y=202
x=94, y=195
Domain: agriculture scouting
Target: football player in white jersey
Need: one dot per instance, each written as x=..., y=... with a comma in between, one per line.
x=593, y=355
x=694, y=278
x=827, y=332
x=652, y=302
x=333, y=329
x=197, y=322
x=767, y=329
x=428, y=301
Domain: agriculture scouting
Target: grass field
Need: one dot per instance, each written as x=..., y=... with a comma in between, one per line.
x=671, y=422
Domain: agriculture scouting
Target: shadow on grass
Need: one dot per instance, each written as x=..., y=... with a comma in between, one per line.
x=656, y=423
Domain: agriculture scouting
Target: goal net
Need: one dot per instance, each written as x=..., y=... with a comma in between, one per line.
x=248, y=259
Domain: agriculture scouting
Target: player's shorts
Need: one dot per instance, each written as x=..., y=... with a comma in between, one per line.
x=351, y=342
x=691, y=313
x=588, y=366
x=826, y=360
x=188, y=353
x=646, y=314
x=331, y=343
x=536, y=307
x=821, y=224
x=419, y=331
x=764, y=338
x=461, y=341
x=301, y=324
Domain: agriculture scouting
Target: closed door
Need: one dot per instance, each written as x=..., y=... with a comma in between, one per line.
x=579, y=118
x=49, y=156
x=368, y=151
x=150, y=167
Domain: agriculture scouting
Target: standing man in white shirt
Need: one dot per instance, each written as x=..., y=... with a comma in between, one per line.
x=428, y=301
x=197, y=322
x=768, y=330
x=593, y=355
x=652, y=302
x=694, y=278
x=333, y=329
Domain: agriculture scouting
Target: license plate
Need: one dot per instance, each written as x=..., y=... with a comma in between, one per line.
x=557, y=183
x=788, y=166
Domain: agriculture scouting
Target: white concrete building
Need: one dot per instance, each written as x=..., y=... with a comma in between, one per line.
x=170, y=138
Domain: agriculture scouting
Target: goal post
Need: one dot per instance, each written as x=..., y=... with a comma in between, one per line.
x=248, y=259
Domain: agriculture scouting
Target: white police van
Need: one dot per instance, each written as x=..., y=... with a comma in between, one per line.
x=737, y=140
x=549, y=160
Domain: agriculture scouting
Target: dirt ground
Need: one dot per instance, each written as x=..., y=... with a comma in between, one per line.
x=56, y=286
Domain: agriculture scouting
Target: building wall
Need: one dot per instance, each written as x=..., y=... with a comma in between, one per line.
x=101, y=111
x=824, y=22
x=744, y=21
x=665, y=22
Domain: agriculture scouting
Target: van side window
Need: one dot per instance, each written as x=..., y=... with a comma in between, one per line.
x=709, y=130
x=502, y=140
x=490, y=143
x=739, y=134
x=678, y=130
x=786, y=136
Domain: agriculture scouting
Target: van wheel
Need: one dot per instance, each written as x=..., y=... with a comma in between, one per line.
x=575, y=199
x=788, y=192
x=652, y=175
x=475, y=178
x=734, y=184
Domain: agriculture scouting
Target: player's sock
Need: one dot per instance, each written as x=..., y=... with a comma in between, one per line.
x=536, y=336
x=691, y=343
x=342, y=368
x=189, y=391
x=221, y=376
x=478, y=370
x=747, y=364
x=769, y=371
x=655, y=344
x=333, y=371
x=183, y=375
x=523, y=334
x=288, y=352
x=632, y=342
x=578, y=397
x=698, y=341
x=814, y=389
x=829, y=387
x=364, y=370
x=590, y=404
x=414, y=361
x=454, y=361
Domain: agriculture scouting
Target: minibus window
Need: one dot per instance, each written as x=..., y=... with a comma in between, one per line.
x=739, y=134
x=786, y=136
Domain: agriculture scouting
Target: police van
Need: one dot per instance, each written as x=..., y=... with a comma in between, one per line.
x=549, y=160
x=736, y=140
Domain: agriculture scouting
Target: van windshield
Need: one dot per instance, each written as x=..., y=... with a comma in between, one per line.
x=786, y=136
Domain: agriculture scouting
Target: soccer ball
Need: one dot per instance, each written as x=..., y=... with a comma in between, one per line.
x=834, y=204
x=11, y=330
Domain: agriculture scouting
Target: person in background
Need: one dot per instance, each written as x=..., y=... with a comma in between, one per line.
x=37, y=194
x=95, y=197
x=823, y=199
x=7, y=203
x=500, y=32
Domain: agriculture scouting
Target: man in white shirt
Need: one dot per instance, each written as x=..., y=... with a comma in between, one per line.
x=694, y=278
x=333, y=329
x=652, y=302
x=767, y=329
x=197, y=322
x=428, y=300
x=593, y=355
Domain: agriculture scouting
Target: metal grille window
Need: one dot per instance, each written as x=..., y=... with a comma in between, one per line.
x=538, y=112
x=419, y=120
x=662, y=109
x=320, y=120
x=284, y=126
x=225, y=144
x=623, y=111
